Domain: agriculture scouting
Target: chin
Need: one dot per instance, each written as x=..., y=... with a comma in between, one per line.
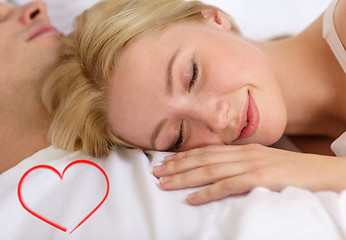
x=265, y=137
x=272, y=128
x=273, y=135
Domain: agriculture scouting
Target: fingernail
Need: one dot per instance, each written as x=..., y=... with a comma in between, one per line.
x=169, y=158
x=164, y=180
x=159, y=168
x=191, y=196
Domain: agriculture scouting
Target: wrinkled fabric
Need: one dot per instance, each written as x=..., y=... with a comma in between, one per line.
x=137, y=208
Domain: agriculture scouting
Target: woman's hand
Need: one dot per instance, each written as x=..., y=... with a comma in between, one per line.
x=238, y=169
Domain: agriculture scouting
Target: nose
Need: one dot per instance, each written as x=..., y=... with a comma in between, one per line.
x=33, y=11
x=215, y=115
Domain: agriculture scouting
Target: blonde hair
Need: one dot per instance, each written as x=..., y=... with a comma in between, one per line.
x=76, y=92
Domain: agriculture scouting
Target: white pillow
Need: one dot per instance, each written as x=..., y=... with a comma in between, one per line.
x=264, y=19
x=257, y=19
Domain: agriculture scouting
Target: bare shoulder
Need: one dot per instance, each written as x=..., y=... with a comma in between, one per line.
x=340, y=20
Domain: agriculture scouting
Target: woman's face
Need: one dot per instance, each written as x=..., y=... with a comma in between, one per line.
x=195, y=84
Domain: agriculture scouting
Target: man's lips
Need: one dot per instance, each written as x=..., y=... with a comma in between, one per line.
x=40, y=30
x=249, y=120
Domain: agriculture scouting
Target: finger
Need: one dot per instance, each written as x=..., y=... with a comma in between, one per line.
x=201, y=158
x=204, y=175
x=203, y=150
x=224, y=188
x=184, y=165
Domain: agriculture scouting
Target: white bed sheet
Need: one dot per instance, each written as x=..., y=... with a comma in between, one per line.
x=137, y=208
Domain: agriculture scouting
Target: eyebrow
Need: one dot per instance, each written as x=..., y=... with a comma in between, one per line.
x=157, y=131
x=170, y=73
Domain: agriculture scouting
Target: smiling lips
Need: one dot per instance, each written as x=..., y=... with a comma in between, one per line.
x=42, y=29
x=249, y=121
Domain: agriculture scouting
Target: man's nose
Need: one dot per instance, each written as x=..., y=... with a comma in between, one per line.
x=33, y=11
x=215, y=115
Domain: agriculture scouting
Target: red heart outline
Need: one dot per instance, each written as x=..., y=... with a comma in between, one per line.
x=61, y=177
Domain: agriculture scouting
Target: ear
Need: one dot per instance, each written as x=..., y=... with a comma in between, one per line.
x=217, y=18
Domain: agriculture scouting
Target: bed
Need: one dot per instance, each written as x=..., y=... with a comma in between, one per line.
x=136, y=208
x=60, y=195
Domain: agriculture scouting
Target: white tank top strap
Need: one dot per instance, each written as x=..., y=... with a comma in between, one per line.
x=331, y=36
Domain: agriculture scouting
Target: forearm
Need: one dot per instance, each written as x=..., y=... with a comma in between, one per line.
x=335, y=175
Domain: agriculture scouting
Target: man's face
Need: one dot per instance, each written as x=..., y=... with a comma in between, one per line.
x=28, y=43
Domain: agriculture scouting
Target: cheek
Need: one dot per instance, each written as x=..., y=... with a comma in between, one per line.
x=253, y=70
x=273, y=124
x=199, y=136
x=272, y=106
x=273, y=114
x=220, y=76
x=233, y=69
x=200, y=140
x=7, y=51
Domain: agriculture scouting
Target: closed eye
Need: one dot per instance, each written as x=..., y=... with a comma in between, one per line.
x=180, y=140
x=195, y=72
